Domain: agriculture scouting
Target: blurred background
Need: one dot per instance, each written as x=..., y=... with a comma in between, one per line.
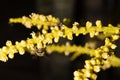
x=55, y=66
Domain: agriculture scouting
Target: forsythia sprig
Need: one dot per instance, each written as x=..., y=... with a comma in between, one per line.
x=53, y=29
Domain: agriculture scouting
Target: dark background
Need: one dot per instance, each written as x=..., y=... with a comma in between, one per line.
x=55, y=66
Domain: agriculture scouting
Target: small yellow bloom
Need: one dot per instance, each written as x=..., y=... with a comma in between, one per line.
x=3, y=56
x=5, y=49
x=88, y=24
x=107, y=42
x=44, y=31
x=23, y=43
x=93, y=76
x=115, y=37
x=56, y=39
x=105, y=55
x=96, y=68
x=92, y=34
x=106, y=49
x=113, y=46
x=92, y=61
x=21, y=51
x=77, y=78
x=77, y=73
x=87, y=73
x=98, y=24
x=8, y=43
x=70, y=36
x=11, y=55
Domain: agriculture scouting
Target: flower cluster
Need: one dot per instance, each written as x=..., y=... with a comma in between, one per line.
x=52, y=29
x=36, y=20
x=91, y=67
x=95, y=64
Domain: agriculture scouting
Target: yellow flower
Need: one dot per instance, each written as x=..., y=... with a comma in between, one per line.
x=21, y=50
x=96, y=68
x=98, y=24
x=3, y=56
x=8, y=43
x=11, y=55
x=88, y=24
x=115, y=37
